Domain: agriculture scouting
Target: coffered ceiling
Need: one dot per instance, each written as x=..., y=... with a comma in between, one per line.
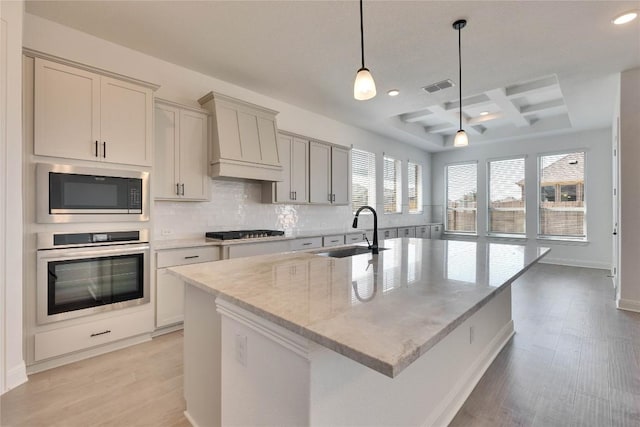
x=536, y=68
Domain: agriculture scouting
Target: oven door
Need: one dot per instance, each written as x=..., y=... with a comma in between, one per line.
x=77, y=282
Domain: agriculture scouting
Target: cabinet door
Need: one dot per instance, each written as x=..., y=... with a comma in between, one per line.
x=193, y=155
x=166, y=152
x=319, y=173
x=300, y=170
x=340, y=175
x=66, y=111
x=284, y=193
x=423, y=232
x=169, y=299
x=436, y=231
x=267, y=135
x=125, y=122
x=249, y=137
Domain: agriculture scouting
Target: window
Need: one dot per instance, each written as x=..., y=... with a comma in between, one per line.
x=363, y=179
x=462, y=189
x=561, y=205
x=507, y=213
x=392, y=189
x=414, y=178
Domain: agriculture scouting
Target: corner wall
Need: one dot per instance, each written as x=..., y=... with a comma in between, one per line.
x=12, y=367
x=629, y=295
x=596, y=252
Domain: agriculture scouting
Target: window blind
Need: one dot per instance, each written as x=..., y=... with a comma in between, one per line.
x=363, y=179
x=414, y=181
x=392, y=182
x=506, y=206
x=561, y=206
x=462, y=190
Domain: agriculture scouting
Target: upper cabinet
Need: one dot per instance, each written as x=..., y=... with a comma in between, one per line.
x=83, y=115
x=294, y=187
x=329, y=176
x=243, y=139
x=180, y=147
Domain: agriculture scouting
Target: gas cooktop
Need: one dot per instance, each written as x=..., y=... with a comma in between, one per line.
x=243, y=234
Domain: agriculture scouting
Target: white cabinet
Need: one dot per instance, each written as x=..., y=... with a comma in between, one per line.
x=407, y=232
x=169, y=288
x=180, y=166
x=387, y=233
x=423, y=232
x=306, y=243
x=329, y=176
x=243, y=139
x=334, y=240
x=294, y=157
x=354, y=238
x=83, y=115
x=436, y=231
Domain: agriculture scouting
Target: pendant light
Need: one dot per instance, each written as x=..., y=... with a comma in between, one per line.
x=461, y=139
x=364, y=88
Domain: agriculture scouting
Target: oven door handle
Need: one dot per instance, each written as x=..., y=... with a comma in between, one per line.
x=66, y=253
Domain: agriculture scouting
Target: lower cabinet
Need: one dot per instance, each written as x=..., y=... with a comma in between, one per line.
x=170, y=289
x=436, y=231
x=423, y=232
x=407, y=232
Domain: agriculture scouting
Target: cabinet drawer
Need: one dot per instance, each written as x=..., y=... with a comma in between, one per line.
x=334, y=240
x=388, y=233
x=354, y=238
x=407, y=232
x=182, y=256
x=79, y=337
x=307, y=243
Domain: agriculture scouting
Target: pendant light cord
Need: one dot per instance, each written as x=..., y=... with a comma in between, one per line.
x=361, y=34
x=460, y=71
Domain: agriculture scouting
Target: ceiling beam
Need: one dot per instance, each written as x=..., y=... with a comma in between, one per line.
x=547, y=105
x=510, y=111
x=486, y=118
x=540, y=85
x=448, y=116
x=442, y=127
x=417, y=116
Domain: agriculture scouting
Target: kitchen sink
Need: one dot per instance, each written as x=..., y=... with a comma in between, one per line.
x=346, y=252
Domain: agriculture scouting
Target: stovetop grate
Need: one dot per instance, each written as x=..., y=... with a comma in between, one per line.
x=243, y=234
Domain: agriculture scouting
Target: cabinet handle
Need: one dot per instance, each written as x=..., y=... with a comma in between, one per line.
x=96, y=148
x=182, y=185
x=177, y=188
x=334, y=241
x=104, y=149
x=329, y=196
x=192, y=256
x=306, y=244
x=295, y=195
x=291, y=195
x=100, y=333
x=333, y=197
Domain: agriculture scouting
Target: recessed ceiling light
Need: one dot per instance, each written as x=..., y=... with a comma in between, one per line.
x=393, y=92
x=484, y=113
x=625, y=17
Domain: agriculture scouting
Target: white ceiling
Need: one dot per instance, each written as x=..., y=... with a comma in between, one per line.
x=307, y=53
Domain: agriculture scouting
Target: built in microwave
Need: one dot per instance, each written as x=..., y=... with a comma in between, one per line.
x=68, y=193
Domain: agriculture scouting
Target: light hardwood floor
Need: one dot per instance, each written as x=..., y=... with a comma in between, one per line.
x=575, y=360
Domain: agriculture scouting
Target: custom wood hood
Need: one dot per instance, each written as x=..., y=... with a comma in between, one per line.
x=243, y=139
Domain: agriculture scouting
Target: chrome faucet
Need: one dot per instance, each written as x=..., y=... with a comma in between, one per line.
x=374, y=246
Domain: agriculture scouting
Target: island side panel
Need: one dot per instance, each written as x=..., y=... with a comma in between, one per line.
x=429, y=392
x=201, y=358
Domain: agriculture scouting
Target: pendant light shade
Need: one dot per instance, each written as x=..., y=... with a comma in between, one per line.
x=364, y=87
x=461, y=139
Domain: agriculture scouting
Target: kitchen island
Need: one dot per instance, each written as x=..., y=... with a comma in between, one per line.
x=398, y=338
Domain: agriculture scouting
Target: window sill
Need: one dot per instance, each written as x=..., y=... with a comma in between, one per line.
x=392, y=213
x=561, y=241
x=499, y=236
x=416, y=213
x=460, y=236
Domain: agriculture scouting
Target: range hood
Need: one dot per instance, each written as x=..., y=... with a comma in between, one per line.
x=244, y=140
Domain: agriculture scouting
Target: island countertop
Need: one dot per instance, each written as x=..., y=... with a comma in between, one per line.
x=383, y=311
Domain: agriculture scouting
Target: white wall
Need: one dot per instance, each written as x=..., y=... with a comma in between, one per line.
x=595, y=253
x=233, y=204
x=12, y=367
x=629, y=297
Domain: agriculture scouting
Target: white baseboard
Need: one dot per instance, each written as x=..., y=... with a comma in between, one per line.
x=191, y=421
x=464, y=387
x=167, y=330
x=628, y=304
x=15, y=376
x=576, y=263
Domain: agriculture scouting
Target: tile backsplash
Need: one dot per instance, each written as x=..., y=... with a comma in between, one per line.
x=237, y=205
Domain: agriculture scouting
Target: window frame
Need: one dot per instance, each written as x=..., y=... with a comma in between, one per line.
x=375, y=181
x=556, y=237
x=446, y=199
x=488, y=205
x=398, y=189
x=419, y=189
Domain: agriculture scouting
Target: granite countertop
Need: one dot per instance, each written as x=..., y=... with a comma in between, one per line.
x=383, y=311
x=204, y=241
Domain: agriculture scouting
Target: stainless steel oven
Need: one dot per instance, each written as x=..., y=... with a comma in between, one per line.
x=85, y=273
x=78, y=194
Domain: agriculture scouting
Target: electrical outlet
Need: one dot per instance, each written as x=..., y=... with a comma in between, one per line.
x=471, y=334
x=166, y=232
x=241, y=349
